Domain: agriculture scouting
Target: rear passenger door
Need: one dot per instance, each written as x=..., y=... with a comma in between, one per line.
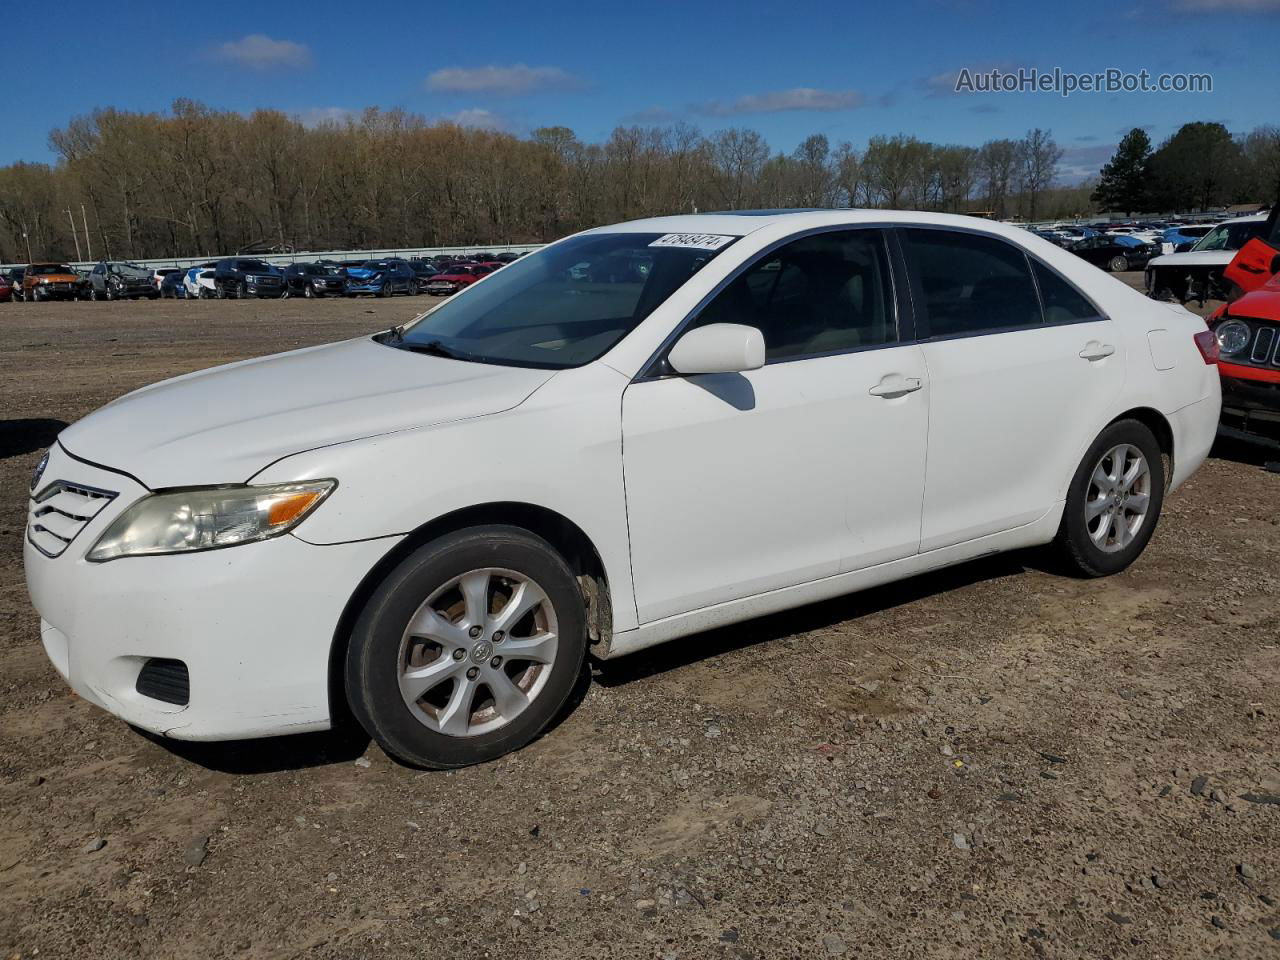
x=1022, y=369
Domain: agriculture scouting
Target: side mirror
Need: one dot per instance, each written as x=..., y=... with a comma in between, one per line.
x=718, y=348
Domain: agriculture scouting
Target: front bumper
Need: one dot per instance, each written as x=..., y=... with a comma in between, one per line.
x=254, y=624
x=353, y=288
x=264, y=290
x=1251, y=405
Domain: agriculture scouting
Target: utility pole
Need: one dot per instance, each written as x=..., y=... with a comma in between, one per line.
x=28, y=240
x=74, y=236
x=87, y=242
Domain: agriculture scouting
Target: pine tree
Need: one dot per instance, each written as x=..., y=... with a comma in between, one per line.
x=1123, y=182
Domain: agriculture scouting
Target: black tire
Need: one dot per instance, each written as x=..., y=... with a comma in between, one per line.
x=242, y=291
x=309, y=292
x=387, y=290
x=373, y=658
x=1118, y=264
x=1073, y=543
x=219, y=291
x=93, y=294
x=111, y=293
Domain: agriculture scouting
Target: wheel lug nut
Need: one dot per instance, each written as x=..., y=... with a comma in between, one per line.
x=474, y=632
x=495, y=662
x=498, y=636
x=459, y=654
x=472, y=673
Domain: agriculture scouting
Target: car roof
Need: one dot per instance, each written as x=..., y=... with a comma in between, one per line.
x=745, y=222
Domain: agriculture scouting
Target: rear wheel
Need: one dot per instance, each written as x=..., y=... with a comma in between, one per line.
x=1118, y=264
x=468, y=649
x=1114, y=502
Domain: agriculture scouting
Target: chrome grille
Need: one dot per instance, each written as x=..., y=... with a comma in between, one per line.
x=60, y=511
x=1264, y=343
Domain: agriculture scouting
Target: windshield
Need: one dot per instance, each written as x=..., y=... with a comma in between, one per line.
x=129, y=270
x=1229, y=236
x=565, y=305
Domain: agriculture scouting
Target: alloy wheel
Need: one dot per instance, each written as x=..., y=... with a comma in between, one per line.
x=1118, y=499
x=478, y=652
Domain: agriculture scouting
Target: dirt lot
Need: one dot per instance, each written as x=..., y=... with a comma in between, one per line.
x=994, y=761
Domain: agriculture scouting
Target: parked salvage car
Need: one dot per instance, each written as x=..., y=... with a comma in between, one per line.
x=313, y=280
x=1183, y=237
x=1114, y=252
x=159, y=273
x=1198, y=273
x=802, y=405
x=6, y=288
x=243, y=277
x=1248, y=334
x=382, y=278
x=15, y=281
x=454, y=277
x=424, y=270
x=51, y=281
x=173, y=285
x=199, y=283
x=119, y=280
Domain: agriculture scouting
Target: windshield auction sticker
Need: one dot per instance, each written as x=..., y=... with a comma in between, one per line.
x=695, y=241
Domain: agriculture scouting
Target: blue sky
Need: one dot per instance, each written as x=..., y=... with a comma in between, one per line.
x=848, y=70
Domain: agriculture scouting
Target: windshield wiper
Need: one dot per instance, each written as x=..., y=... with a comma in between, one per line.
x=432, y=347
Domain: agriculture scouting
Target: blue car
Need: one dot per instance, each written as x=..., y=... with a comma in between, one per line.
x=382, y=278
x=1183, y=238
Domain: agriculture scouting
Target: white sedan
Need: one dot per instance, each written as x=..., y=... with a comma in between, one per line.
x=715, y=418
x=198, y=283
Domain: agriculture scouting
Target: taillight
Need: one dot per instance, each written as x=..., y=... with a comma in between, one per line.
x=1208, y=344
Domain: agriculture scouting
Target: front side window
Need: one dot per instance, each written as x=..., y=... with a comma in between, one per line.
x=565, y=305
x=972, y=284
x=825, y=293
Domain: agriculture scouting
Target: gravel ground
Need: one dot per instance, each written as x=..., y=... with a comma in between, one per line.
x=991, y=761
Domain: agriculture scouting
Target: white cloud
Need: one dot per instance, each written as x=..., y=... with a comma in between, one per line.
x=260, y=52
x=477, y=119
x=511, y=81
x=1227, y=6
x=778, y=101
x=944, y=84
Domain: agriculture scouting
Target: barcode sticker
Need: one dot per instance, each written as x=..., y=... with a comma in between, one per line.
x=695, y=241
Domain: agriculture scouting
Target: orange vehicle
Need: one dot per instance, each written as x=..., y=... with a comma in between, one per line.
x=51, y=281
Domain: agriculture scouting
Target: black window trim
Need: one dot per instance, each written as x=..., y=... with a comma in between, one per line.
x=657, y=367
x=917, y=290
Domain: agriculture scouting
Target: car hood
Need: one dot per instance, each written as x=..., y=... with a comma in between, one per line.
x=1207, y=258
x=225, y=424
x=361, y=273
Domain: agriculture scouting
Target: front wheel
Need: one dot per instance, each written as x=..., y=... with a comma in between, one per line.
x=386, y=290
x=468, y=649
x=1114, y=502
x=309, y=292
x=1118, y=265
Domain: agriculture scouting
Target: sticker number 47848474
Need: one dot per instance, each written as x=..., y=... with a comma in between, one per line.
x=696, y=241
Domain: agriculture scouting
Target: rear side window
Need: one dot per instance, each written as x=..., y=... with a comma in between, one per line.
x=972, y=284
x=1063, y=303
x=826, y=293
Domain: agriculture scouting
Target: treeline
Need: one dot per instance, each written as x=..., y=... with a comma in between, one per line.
x=198, y=181
x=1202, y=166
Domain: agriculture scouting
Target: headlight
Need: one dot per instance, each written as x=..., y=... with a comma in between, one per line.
x=188, y=520
x=1233, y=336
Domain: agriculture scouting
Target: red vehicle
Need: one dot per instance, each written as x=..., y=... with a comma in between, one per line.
x=455, y=277
x=6, y=289
x=1248, y=333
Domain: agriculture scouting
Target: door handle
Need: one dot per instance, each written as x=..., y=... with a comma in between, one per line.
x=1093, y=350
x=895, y=385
